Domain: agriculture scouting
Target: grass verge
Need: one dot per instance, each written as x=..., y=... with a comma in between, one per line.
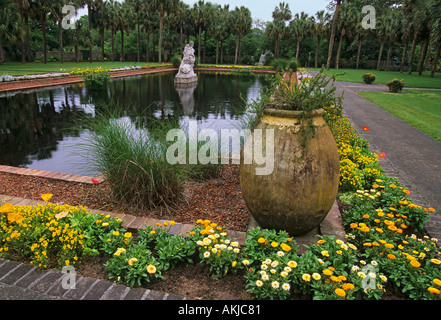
x=419, y=108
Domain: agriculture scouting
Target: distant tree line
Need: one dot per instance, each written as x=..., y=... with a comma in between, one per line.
x=407, y=34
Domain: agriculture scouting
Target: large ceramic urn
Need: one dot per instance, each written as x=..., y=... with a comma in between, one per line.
x=300, y=190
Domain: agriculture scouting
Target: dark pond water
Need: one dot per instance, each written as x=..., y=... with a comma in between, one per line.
x=37, y=126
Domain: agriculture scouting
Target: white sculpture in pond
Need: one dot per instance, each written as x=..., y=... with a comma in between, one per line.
x=186, y=73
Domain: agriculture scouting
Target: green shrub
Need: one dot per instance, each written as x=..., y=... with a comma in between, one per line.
x=395, y=85
x=176, y=61
x=368, y=77
x=96, y=80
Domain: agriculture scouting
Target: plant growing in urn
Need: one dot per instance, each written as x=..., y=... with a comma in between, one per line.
x=302, y=187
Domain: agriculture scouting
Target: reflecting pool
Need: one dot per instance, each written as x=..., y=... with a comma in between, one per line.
x=39, y=128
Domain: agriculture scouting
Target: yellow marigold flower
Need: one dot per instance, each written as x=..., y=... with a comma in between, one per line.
x=274, y=244
x=292, y=264
x=435, y=261
x=340, y=292
x=6, y=208
x=261, y=240
x=392, y=186
x=321, y=241
x=151, y=269
x=132, y=261
x=306, y=277
x=127, y=235
x=46, y=197
x=348, y=286
x=433, y=290
x=285, y=247
x=415, y=263
x=327, y=272
x=437, y=282
x=325, y=253
x=115, y=233
x=172, y=222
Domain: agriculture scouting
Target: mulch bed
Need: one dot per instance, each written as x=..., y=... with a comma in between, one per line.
x=218, y=200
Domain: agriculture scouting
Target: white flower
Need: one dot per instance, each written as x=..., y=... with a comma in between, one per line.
x=355, y=268
x=206, y=254
x=264, y=267
x=374, y=263
x=275, y=263
x=286, y=286
x=273, y=271
x=259, y=283
x=214, y=250
x=280, y=253
x=267, y=261
x=235, y=244
x=372, y=275
x=200, y=243
x=236, y=250
x=287, y=269
x=265, y=277
x=275, y=284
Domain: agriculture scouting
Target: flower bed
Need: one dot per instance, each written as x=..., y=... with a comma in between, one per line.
x=385, y=247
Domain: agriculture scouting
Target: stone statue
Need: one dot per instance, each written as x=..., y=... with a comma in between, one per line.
x=186, y=73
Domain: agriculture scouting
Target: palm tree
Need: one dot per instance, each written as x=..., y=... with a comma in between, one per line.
x=201, y=16
x=280, y=15
x=333, y=31
x=300, y=27
x=99, y=20
x=23, y=6
x=240, y=23
x=11, y=30
x=149, y=21
x=137, y=6
x=219, y=28
x=320, y=30
x=111, y=9
x=124, y=19
x=40, y=10
x=162, y=6
x=394, y=27
x=346, y=22
x=435, y=33
x=382, y=36
x=57, y=14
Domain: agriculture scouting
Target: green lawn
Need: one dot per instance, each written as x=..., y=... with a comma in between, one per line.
x=419, y=108
x=412, y=81
x=19, y=69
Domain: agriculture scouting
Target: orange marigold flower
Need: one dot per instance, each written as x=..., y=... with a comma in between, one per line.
x=433, y=290
x=340, y=292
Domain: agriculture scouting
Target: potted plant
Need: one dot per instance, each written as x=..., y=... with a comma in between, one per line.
x=368, y=77
x=396, y=85
x=302, y=187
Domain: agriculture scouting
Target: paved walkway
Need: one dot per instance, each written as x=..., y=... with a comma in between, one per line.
x=411, y=155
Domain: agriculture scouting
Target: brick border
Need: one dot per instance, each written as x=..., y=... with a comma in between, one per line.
x=51, y=174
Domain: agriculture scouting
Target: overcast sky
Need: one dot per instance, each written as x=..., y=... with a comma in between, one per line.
x=262, y=9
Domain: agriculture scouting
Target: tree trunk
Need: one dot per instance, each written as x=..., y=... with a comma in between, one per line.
x=429, y=53
x=22, y=42
x=148, y=46
x=205, y=42
x=420, y=68
x=435, y=63
x=412, y=52
x=89, y=12
x=181, y=31
x=138, y=43
x=298, y=48
x=60, y=41
x=102, y=43
x=43, y=29
x=389, y=52
x=334, y=28
x=122, y=45
x=222, y=52
x=380, y=54
x=1, y=51
x=161, y=34
x=360, y=39
x=403, y=58
x=240, y=46
x=276, y=49
x=113, y=46
x=237, y=47
x=317, y=52
x=217, y=51
x=77, y=53
x=337, y=60
x=28, y=47
x=199, y=42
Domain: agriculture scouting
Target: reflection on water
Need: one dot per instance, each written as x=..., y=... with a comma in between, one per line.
x=37, y=126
